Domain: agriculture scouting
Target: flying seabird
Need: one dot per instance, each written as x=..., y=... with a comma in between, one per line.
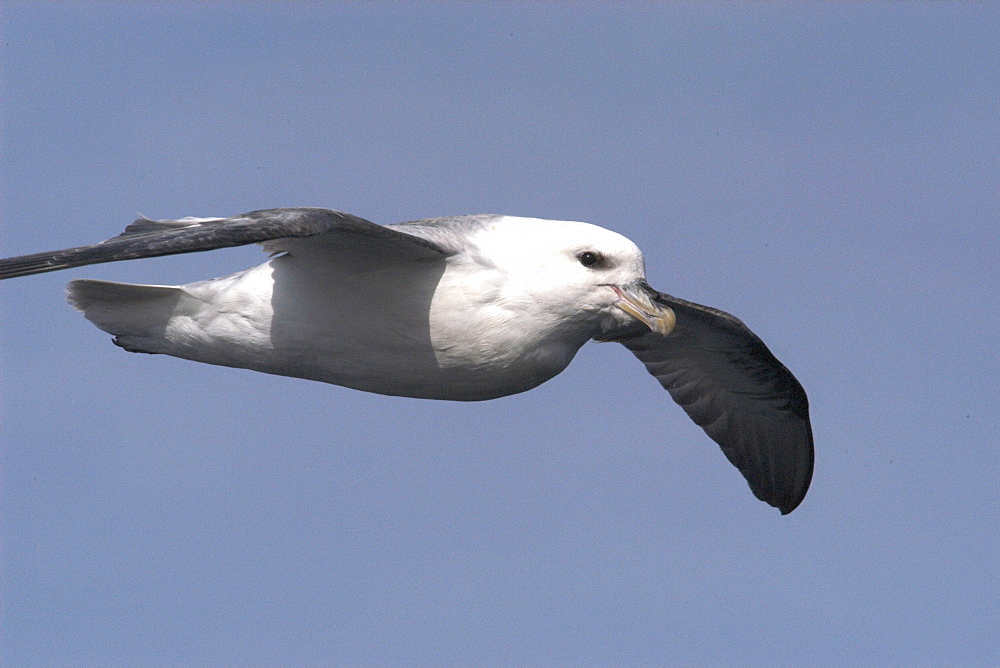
x=464, y=308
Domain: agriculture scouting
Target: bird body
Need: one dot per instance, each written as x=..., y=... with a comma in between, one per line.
x=465, y=308
x=381, y=318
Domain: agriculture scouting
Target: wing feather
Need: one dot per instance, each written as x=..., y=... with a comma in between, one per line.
x=732, y=386
x=151, y=238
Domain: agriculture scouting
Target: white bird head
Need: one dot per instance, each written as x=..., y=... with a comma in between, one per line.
x=571, y=270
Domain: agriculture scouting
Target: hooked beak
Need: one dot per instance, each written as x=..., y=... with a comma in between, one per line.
x=635, y=299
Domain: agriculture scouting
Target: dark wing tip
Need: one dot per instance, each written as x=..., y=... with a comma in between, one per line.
x=775, y=453
x=768, y=441
x=789, y=500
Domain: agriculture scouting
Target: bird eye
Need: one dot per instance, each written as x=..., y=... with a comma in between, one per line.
x=589, y=258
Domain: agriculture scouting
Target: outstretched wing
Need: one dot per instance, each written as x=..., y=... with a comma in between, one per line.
x=732, y=386
x=152, y=238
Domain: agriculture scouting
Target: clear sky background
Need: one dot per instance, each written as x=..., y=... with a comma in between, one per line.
x=827, y=172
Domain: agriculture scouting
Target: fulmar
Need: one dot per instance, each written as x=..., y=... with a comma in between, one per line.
x=462, y=308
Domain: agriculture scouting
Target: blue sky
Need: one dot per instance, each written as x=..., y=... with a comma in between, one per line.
x=827, y=172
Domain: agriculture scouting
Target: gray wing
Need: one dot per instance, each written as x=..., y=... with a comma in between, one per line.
x=733, y=387
x=152, y=238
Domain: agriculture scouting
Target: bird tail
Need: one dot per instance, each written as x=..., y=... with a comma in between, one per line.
x=137, y=315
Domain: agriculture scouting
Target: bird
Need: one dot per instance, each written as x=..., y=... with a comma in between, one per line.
x=461, y=308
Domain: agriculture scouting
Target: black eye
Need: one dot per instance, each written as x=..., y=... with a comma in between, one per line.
x=589, y=258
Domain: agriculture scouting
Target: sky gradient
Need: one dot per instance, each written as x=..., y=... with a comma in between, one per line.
x=826, y=172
